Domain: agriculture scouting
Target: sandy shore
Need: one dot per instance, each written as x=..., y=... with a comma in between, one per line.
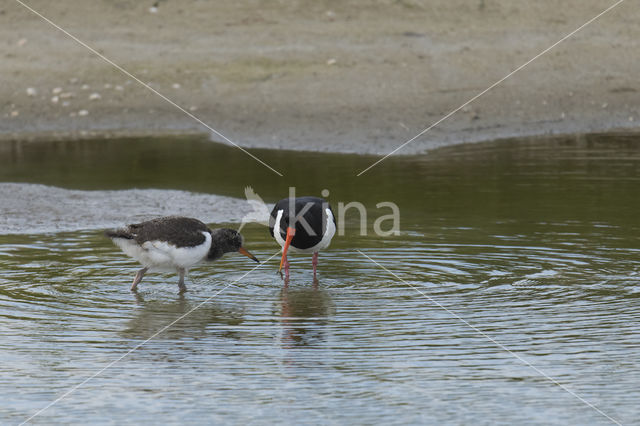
x=54, y=209
x=319, y=75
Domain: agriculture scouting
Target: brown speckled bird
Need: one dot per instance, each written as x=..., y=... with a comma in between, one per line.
x=175, y=243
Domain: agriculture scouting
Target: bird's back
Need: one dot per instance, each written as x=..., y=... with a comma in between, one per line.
x=315, y=215
x=165, y=242
x=175, y=230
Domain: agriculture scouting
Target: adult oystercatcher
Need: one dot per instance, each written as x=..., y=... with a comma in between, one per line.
x=304, y=224
x=175, y=243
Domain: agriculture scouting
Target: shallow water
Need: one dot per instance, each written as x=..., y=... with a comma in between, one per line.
x=534, y=244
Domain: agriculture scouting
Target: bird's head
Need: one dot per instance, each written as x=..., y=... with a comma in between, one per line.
x=227, y=240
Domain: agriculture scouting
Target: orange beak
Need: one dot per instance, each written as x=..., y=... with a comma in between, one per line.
x=246, y=253
x=290, y=234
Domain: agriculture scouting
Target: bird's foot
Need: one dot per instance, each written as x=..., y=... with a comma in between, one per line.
x=286, y=269
x=137, y=279
x=182, y=288
x=314, y=262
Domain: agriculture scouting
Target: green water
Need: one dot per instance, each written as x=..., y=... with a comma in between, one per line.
x=534, y=244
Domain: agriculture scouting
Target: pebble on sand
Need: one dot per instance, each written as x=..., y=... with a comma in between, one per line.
x=85, y=87
x=83, y=112
x=55, y=99
x=15, y=113
x=57, y=90
x=22, y=42
x=332, y=61
x=31, y=91
x=94, y=96
x=176, y=85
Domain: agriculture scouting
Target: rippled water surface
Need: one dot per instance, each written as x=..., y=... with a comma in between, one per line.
x=511, y=295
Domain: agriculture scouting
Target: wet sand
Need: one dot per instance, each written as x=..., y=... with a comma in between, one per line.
x=328, y=76
x=52, y=209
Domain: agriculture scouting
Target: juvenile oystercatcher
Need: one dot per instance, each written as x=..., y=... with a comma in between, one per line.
x=304, y=224
x=175, y=243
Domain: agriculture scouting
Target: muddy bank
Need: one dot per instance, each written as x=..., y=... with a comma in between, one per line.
x=323, y=75
x=31, y=208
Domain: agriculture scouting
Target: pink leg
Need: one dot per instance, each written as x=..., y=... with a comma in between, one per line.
x=286, y=267
x=138, y=278
x=181, y=286
x=315, y=263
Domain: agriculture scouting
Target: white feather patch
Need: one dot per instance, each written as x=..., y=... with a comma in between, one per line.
x=162, y=255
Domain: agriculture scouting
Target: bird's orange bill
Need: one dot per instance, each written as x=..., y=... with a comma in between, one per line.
x=290, y=234
x=246, y=253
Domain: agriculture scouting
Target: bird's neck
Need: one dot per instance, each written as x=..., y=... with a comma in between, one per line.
x=215, y=252
x=219, y=245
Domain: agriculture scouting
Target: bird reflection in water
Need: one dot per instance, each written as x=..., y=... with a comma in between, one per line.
x=305, y=312
x=153, y=316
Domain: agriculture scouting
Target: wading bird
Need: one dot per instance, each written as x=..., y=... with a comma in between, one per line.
x=175, y=243
x=302, y=224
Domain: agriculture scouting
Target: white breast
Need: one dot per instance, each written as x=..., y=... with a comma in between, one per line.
x=162, y=255
x=276, y=229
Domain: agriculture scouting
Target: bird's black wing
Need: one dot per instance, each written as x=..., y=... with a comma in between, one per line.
x=176, y=230
x=315, y=215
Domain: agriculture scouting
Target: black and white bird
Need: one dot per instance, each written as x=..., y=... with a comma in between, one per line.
x=304, y=225
x=175, y=243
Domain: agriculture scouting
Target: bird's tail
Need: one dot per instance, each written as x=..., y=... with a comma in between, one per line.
x=119, y=233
